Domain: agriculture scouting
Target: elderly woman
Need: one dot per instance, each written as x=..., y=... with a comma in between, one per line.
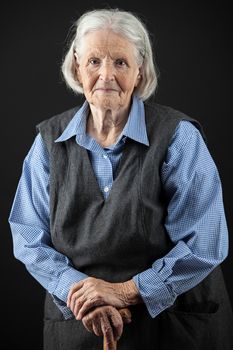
x=119, y=212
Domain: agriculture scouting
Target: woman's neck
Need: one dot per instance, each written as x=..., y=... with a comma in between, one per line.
x=106, y=125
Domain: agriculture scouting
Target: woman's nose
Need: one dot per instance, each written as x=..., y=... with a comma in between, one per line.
x=107, y=72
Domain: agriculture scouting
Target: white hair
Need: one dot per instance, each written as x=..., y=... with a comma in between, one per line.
x=127, y=25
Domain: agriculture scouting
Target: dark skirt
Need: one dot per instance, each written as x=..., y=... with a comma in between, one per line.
x=200, y=319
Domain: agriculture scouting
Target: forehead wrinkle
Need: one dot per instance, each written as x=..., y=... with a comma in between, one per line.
x=103, y=51
x=109, y=44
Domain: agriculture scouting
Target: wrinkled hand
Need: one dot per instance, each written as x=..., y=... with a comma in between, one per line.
x=92, y=292
x=107, y=321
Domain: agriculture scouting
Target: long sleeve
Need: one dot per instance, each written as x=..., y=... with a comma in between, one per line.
x=29, y=222
x=195, y=222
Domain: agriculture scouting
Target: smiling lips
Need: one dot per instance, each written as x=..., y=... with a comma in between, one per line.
x=106, y=89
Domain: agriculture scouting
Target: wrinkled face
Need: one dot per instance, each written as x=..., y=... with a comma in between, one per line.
x=107, y=69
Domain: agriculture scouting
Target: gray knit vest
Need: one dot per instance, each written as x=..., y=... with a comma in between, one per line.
x=116, y=238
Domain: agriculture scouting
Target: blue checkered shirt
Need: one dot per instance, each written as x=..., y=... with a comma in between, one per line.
x=195, y=219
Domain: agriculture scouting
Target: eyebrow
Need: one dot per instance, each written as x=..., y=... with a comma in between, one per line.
x=93, y=53
x=96, y=52
x=114, y=56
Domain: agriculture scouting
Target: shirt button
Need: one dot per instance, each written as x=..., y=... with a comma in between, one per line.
x=106, y=189
x=104, y=156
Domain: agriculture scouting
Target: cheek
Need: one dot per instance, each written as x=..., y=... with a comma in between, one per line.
x=127, y=82
x=89, y=80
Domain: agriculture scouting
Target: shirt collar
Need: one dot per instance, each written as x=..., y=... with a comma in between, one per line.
x=135, y=128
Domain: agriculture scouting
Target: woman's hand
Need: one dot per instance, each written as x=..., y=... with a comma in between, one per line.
x=93, y=292
x=107, y=321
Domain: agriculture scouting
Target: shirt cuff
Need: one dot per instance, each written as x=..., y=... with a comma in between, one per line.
x=66, y=312
x=154, y=292
x=60, y=293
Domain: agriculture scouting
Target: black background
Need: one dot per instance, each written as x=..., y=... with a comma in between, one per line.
x=193, y=50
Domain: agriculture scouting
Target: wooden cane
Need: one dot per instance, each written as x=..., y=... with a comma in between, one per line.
x=114, y=346
x=125, y=313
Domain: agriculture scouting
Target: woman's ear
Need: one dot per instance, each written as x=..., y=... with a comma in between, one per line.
x=76, y=57
x=139, y=77
x=77, y=70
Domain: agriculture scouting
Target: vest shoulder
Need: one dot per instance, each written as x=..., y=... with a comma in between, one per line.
x=57, y=123
x=164, y=111
x=160, y=115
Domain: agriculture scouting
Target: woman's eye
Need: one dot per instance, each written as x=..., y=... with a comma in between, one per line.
x=94, y=61
x=120, y=62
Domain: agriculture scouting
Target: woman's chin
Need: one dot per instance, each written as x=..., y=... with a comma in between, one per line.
x=106, y=102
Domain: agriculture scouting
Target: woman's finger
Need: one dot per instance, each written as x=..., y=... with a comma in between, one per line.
x=74, y=288
x=125, y=314
x=92, y=321
x=116, y=322
x=87, y=322
x=76, y=303
x=107, y=333
x=81, y=295
x=96, y=326
x=79, y=298
x=88, y=305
